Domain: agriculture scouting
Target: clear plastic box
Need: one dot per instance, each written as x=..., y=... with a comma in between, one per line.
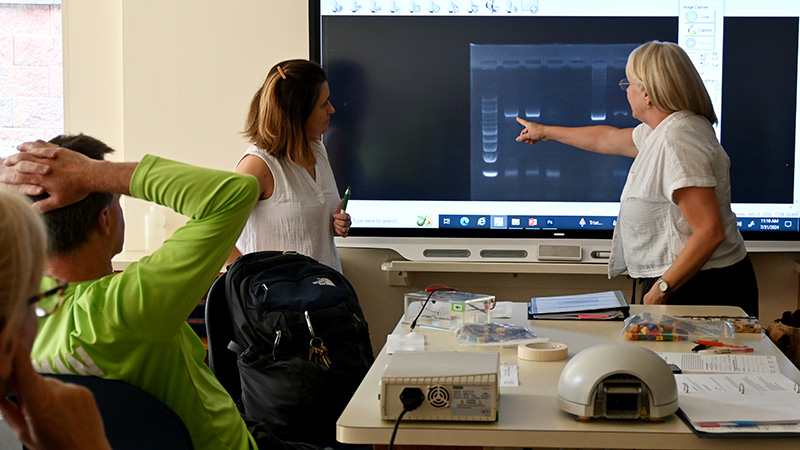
x=447, y=309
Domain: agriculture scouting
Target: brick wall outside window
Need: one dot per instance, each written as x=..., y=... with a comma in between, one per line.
x=31, y=78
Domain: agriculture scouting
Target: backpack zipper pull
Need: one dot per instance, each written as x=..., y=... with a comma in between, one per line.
x=275, y=344
x=310, y=328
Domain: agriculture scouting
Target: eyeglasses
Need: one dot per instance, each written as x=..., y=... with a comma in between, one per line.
x=45, y=304
x=624, y=83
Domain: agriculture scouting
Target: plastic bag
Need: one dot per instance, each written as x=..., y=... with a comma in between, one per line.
x=661, y=327
x=495, y=334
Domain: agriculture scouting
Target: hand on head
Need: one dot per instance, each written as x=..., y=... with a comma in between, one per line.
x=43, y=167
x=48, y=413
x=23, y=171
x=532, y=133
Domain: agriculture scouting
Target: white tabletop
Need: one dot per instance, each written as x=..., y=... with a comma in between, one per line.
x=529, y=415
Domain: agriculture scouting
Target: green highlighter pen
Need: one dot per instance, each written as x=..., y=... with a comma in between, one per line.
x=345, y=199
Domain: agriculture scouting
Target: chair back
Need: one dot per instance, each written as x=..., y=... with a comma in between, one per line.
x=219, y=331
x=134, y=419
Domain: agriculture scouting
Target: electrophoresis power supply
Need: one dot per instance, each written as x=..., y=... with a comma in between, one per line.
x=454, y=386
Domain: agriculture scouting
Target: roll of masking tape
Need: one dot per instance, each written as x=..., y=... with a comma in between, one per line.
x=542, y=351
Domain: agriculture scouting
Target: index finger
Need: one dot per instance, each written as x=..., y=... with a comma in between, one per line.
x=39, y=148
x=522, y=121
x=27, y=163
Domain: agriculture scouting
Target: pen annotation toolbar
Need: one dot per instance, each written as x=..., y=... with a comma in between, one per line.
x=427, y=7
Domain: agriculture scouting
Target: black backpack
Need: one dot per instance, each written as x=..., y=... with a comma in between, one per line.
x=275, y=300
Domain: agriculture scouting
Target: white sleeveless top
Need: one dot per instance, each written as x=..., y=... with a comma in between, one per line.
x=299, y=214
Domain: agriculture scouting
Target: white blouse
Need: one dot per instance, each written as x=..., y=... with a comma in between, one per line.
x=682, y=151
x=299, y=214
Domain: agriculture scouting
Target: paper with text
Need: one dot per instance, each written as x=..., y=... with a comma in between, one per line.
x=726, y=363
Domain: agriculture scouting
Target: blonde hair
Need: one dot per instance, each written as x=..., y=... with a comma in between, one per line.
x=670, y=79
x=23, y=242
x=276, y=121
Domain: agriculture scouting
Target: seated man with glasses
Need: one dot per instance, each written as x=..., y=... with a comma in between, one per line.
x=131, y=326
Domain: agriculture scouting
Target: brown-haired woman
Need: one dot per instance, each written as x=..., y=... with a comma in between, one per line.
x=299, y=208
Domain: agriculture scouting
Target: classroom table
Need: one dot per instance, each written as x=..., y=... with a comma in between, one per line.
x=529, y=415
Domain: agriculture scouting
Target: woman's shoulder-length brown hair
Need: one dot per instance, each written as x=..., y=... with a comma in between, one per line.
x=280, y=108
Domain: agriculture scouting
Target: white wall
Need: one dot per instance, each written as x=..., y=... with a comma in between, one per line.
x=92, y=46
x=174, y=78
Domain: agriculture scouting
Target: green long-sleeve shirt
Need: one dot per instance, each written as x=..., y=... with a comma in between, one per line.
x=131, y=326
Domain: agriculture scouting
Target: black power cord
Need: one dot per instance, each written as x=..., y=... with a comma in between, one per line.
x=411, y=398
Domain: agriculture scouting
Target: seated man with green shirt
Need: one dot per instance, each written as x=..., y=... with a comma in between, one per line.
x=131, y=326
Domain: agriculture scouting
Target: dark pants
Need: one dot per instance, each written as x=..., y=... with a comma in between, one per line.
x=734, y=285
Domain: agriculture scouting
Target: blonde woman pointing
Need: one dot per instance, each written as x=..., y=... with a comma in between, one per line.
x=675, y=231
